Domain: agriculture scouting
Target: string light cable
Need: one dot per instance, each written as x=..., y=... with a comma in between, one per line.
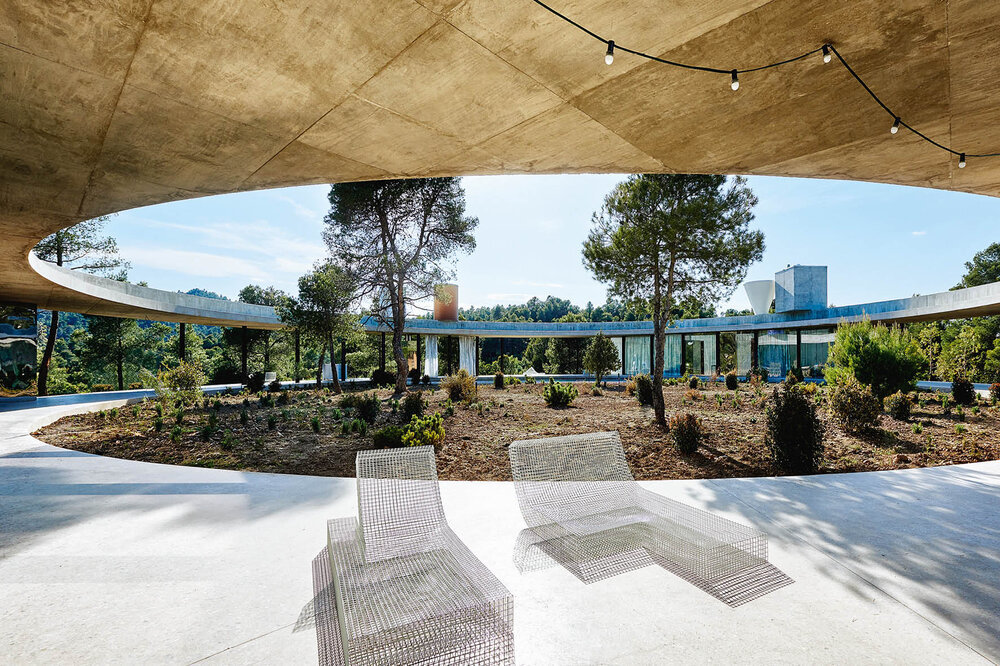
x=829, y=51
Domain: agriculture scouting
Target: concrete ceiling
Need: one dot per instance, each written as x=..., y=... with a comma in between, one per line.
x=108, y=105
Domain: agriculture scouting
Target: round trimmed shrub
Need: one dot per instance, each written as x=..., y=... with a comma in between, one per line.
x=694, y=382
x=898, y=405
x=559, y=395
x=687, y=432
x=498, y=382
x=794, y=432
x=732, y=380
x=390, y=437
x=644, y=389
x=995, y=391
x=461, y=387
x=424, y=431
x=963, y=391
x=382, y=378
x=854, y=405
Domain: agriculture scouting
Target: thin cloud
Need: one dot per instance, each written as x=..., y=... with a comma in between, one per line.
x=199, y=264
x=919, y=233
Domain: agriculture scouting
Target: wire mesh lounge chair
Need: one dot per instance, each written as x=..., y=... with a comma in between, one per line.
x=586, y=512
x=405, y=589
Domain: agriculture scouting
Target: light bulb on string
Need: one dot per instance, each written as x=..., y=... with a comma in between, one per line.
x=827, y=56
x=895, y=126
x=609, y=57
x=735, y=85
x=961, y=161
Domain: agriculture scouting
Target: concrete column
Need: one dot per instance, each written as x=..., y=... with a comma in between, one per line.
x=477, y=356
x=467, y=354
x=431, y=357
x=501, y=356
x=343, y=360
x=623, y=354
x=182, y=342
x=754, y=356
x=718, y=354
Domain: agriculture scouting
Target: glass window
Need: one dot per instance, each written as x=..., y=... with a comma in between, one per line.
x=815, y=349
x=636, y=355
x=700, y=354
x=672, y=355
x=744, y=351
x=776, y=352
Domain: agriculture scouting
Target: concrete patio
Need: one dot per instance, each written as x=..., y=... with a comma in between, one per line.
x=112, y=561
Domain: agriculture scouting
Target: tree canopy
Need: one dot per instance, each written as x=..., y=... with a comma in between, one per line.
x=396, y=239
x=659, y=240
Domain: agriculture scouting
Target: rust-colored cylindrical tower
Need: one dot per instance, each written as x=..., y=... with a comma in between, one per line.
x=446, y=302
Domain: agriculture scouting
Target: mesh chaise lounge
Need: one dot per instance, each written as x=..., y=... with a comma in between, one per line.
x=406, y=590
x=586, y=512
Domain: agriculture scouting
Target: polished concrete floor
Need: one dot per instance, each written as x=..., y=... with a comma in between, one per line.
x=111, y=561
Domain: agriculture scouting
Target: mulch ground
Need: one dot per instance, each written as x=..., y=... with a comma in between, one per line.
x=477, y=435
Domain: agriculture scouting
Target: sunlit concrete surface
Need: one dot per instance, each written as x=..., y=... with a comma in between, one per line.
x=112, y=561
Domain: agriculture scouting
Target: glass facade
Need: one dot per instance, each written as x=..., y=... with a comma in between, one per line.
x=636, y=355
x=735, y=350
x=744, y=353
x=776, y=352
x=672, y=355
x=18, y=352
x=699, y=355
x=815, y=349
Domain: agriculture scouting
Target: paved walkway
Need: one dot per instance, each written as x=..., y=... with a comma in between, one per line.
x=112, y=561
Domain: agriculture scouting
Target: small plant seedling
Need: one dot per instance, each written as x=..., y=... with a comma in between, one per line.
x=272, y=422
x=158, y=424
x=244, y=417
x=917, y=428
x=314, y=423
x=175, y=434
x=135, y=410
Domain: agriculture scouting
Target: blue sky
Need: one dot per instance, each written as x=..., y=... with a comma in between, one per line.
x=879, y=241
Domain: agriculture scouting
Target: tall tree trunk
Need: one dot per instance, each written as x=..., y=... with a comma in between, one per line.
x=267, y=351
x=333, y=369
x=50, y=345
x=319, y=370
x=402, y=368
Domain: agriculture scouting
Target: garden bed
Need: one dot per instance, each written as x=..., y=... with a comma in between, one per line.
x=282, y=437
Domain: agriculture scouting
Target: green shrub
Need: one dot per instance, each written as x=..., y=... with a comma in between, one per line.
x=886, y=359
x=425, y=380
x=424, y=431
x=449, y=407
x=757, y=375
x=101, y=388
x=113, y=413
x=345, y=427
x=175, y=434
x=898, y=405
x=267, y=400
x=272, y=422
x=134, y=386
x=158, y=407
x=995, y=391
x=228, y=441
x=274, y=386
x=959, y=428
x=793, y=432
x=461, y=387
x=359, y=426
x=596, y=391
x=413, y=405
x=389, y=437
x=158, y=424
x=498, y=382
x=255, y=382
x=854, y=405
x=179, y=415
x=244, y=417
x=694, y=382
x=732, y=380
x=917, y=428
x=686, y=431
x=511, y=381
x=366, y=406
x=414, y=376
x=135, y=410
x=559, y=395
x=644, y=389
x=206, y=432
x=963, y=391
x=314, y=423
x=382, y=378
